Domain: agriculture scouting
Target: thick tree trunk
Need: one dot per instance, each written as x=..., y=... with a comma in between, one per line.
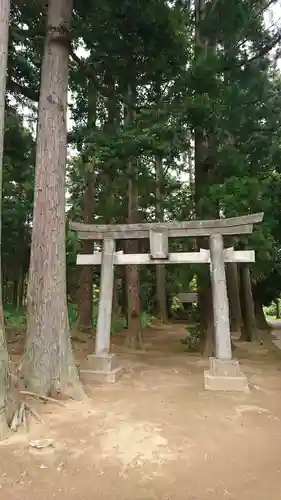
x=233, y=292
x=261, y=322
x=49, y=366
x=206, y=319
x=116, y=307
x=204, y=177
x=85, y=293
x=134, y=336
x=161, y=295
x=249, y=328
x=15, y=289
x=4, y=359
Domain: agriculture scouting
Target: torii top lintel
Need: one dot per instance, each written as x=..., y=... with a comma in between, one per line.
x=227, y=226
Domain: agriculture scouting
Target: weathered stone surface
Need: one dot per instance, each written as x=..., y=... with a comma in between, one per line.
x=224, y=368
x=225, y=375
x=105, y=302
x=234, y=225
x=220, y=299
x=93, y=376
x=217, y=383
x=101, y=369
x=102, y=363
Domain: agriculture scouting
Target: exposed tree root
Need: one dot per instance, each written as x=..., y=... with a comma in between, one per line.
x=43, y=398
x=21, y=417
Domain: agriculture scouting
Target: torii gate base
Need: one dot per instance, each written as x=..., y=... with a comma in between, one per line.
x=225, y=375
x=102, y=368
x=224, y=372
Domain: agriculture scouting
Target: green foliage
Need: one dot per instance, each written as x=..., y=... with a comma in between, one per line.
x=146, y=87
x=191, y=341
x=14, y=318
x=147, y=320
x=271, y=310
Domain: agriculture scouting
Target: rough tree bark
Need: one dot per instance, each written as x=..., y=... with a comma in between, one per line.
x=4, y=359
x=235, y=313
x=249, y=327
x=134, y=335
x=48, y=364
x=161, y=295
x=85, y=292
x=206, y=344
x=262, y=325
x=205, y=145
x=261, y=322
x=111, y=128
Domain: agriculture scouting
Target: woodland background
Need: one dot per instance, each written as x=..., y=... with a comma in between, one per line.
x=175, y=114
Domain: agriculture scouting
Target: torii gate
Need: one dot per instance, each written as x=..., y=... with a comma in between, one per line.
x=224, y=372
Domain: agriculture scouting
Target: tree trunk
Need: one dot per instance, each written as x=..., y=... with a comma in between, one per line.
x=261, y=322
x=234, y=297
x=15, y=289
x=249, y=327
x=4, y=359
x=161, y=295
x=48, y=365
x=206, y=344
x=205, y=176
x=264, y=330
x=85, y=292
x=134, y=335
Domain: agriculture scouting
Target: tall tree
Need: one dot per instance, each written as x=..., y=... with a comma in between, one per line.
x=49, y=366
x=85, y=292
x=4, y=359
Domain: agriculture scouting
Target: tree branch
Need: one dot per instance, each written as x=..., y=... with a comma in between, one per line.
x=27, y=92
x=86, y=70
x=264, y=50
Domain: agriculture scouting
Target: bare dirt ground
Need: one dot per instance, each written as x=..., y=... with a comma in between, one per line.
x=156, y=434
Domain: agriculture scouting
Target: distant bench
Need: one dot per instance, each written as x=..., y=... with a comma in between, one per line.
x=188, y=298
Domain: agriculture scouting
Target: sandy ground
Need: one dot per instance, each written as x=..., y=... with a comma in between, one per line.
x=156, y=434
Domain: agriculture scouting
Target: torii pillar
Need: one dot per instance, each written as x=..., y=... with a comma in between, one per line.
x=224, y=372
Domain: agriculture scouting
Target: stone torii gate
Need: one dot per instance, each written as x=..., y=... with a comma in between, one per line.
x=224, y=372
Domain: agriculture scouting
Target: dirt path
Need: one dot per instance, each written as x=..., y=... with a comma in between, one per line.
x=276, y=332
x=157, y=434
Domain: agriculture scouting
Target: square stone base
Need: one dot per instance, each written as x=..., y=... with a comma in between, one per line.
x=225, y=375
x=101, y=368
x=92, y=376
